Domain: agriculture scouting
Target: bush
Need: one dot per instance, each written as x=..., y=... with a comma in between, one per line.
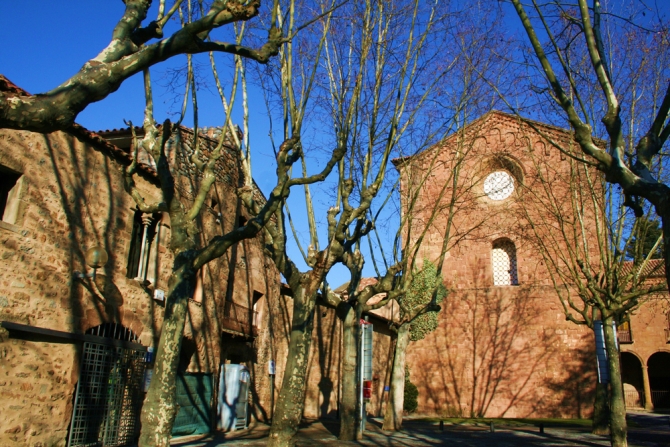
x=411, y=394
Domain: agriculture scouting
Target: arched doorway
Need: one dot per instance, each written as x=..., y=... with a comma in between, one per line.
x=633, y=384
x=658, y=367
x=109, y=392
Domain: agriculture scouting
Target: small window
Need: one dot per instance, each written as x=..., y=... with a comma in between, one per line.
x=143, y=253
x=9, y=195
x=623, y=332
x=503, y=256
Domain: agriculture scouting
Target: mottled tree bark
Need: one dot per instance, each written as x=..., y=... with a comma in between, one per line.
x=394, y=407
x=291, y=400
x=127, y=54
x=618, y=428
x=601, y=411
x=349, y=406
x=159, y=408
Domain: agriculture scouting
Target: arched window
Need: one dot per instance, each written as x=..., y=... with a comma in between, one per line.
x=503, y=256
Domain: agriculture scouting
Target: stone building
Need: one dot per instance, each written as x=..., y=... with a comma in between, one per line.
x=503, y=347
x=74, y=348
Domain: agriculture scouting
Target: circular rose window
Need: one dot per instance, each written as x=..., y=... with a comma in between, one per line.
x=499, y=185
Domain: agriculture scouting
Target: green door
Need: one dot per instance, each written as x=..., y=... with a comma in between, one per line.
x=194, y=394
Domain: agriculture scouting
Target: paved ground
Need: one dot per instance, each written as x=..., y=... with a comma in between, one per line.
x=648, y=430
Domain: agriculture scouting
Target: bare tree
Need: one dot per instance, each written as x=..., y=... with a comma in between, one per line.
x=581, y=227
x=374, y=55
x=135, y=46
x=185, y=192
x=578, y=46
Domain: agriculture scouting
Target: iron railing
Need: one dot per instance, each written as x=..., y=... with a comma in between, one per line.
x=239, y=319
x=633, y=399
x=660, y=398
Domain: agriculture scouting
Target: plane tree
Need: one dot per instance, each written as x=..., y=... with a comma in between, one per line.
x=388, y=89
x=363, y=78
x=600, y=65
x=581, y=227
x=187, y=185
x=135, y=45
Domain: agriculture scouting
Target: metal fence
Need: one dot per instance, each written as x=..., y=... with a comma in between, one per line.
x=660, y=399
x=108, y=396
x=633, y=399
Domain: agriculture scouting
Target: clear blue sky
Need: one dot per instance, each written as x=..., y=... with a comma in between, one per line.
x=43, y=43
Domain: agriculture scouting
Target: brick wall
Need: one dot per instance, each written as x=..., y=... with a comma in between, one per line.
x=499, y=350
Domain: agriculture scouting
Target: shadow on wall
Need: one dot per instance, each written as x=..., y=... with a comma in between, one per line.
x=574, y=389
x=328, y=353
x=491, y=355
x=95, y=214
x=72, y=202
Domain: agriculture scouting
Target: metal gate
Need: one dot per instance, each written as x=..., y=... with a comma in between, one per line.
x=109, y=392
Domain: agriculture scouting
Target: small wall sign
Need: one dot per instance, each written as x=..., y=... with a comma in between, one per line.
x=159, y=295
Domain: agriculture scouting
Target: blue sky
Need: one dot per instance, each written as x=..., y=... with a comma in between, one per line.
x=62, y=36
x=43, y=43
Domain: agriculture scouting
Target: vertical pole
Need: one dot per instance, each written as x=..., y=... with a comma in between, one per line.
x=361, y=361
x=141, y=265
x=648, y=403
x=272, y=397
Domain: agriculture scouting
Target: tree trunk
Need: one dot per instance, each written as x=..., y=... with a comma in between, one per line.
x=665, y=224
x=601, y=410
x=350, y=405
x=618, y=429
x=159, y=408
x=291, y=399
x=394, y=407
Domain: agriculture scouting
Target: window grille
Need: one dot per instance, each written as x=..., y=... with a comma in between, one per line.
x=499, y=185
x=503, y=256
x=109, y=392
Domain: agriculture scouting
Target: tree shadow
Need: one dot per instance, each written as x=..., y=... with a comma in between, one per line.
x=490, y=354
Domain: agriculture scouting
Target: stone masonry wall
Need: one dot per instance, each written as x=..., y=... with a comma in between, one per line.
x=72, y=199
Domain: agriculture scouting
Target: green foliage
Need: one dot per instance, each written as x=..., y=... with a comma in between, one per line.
x=420, y=292
x=645, y=233
x=410, y=402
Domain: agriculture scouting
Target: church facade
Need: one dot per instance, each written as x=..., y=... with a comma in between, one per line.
x=503, y=347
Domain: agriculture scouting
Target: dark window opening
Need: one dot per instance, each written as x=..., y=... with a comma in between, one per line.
x=8, y=194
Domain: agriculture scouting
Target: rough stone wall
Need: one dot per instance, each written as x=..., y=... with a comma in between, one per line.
x=72, y=200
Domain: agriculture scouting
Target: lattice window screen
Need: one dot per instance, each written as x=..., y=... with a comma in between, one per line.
x=504, y=263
